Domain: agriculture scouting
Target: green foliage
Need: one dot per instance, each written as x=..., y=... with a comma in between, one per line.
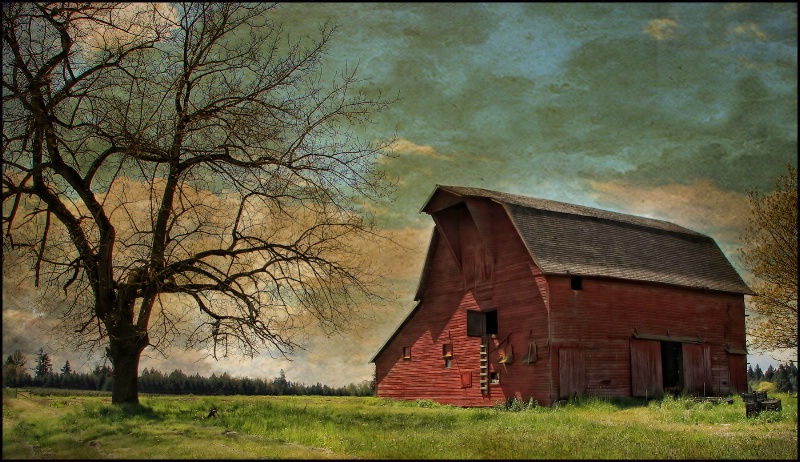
x=767, y=417
x=424, y=403
x=14, y=372
x=176, y=382
x=769, y=253
x=304, y=427
x=515, y=404
x=769, y=387
x=44, y=366
x=66, y=369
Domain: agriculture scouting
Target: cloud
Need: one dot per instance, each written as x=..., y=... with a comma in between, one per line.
x=336, y=359
x=117, y=27
x=750, y=30
x=403, y=146
x=403, y=257
x=699, y=205
x=661, y=29
x=27, y=329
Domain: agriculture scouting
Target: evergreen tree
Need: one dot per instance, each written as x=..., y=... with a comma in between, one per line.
x=281, y=383
x=782, y=382
x=44, y=366
x=751, y=375
x=759, y=373
x=769, y=374
x=66, y=370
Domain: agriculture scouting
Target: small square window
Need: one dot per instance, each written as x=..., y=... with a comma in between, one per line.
x=447, y=350
x=407, y=352
x=577, y=283
x=448, y=363
x=494, y=377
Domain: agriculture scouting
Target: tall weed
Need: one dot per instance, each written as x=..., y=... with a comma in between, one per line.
x=313, y=427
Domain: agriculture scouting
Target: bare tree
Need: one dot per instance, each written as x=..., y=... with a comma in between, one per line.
x=769, y=252
x=186, y=172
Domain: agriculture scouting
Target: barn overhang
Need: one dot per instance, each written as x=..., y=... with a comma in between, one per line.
x=666, y=338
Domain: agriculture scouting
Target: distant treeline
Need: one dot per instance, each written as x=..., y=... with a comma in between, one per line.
x=783, y=377
x=17, y=375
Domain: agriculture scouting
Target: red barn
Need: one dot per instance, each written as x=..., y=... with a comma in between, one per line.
x=531, y=298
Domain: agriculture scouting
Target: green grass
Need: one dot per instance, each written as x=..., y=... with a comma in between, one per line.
x=315, y=427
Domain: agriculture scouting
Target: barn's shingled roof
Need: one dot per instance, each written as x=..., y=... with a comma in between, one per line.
x=572, y=239
x=583, y=241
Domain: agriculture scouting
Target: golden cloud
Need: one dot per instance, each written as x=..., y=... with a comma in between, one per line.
x=204, y=222
x=403, y=146
x=700, y=205
x=124, y=25
x=750, y=30
x=661, y=29
x=403, y=257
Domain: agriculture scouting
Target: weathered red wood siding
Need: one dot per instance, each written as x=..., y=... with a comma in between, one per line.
x=500, y=276
x=737, y=374
x=646, y=370
x=735, y=334
x=696, y=369
x=593, y=326
x=571, y=372
x=601, y=318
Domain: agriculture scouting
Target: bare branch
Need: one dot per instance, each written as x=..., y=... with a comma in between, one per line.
x=187, y=172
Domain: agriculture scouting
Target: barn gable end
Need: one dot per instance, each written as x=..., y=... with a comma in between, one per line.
x=529, y=298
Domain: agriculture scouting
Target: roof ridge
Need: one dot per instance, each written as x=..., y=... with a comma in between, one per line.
x=568, y=208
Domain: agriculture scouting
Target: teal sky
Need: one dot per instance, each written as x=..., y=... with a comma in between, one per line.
x=669, y=110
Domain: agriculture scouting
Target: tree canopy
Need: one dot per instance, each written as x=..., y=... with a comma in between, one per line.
x=186, y=171
x=769, y=253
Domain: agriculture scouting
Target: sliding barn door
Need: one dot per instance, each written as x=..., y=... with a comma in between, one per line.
x=697, y=369
x=737, y=374
x=572, y=372
x=646, y=374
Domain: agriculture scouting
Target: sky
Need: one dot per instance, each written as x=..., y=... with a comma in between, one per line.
x=670, y=111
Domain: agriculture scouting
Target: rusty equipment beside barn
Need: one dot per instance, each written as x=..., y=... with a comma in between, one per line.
x=757, y=401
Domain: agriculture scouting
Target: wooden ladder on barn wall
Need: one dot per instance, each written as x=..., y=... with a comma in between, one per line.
x=484, y=370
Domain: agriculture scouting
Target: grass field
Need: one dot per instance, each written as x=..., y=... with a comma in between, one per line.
x=68, y=425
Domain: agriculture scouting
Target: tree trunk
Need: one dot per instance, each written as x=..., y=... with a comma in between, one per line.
x=125, y=354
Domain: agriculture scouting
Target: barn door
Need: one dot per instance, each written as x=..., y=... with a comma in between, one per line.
x=646, y=374
x=697, y=369
x=737, y=373
x=572, y=375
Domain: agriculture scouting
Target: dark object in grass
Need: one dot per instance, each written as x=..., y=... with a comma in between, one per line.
x=713, y=399
x=757, y=401
x=213, y=413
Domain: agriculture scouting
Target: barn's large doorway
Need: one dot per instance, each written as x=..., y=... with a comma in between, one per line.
x=659, y=366
x=671, y=366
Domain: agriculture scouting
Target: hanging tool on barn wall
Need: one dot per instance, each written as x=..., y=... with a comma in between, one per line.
x=531, y=356
x=506, y=354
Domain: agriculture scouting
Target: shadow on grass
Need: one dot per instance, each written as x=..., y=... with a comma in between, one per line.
x=117, y=412
x=619, y=402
